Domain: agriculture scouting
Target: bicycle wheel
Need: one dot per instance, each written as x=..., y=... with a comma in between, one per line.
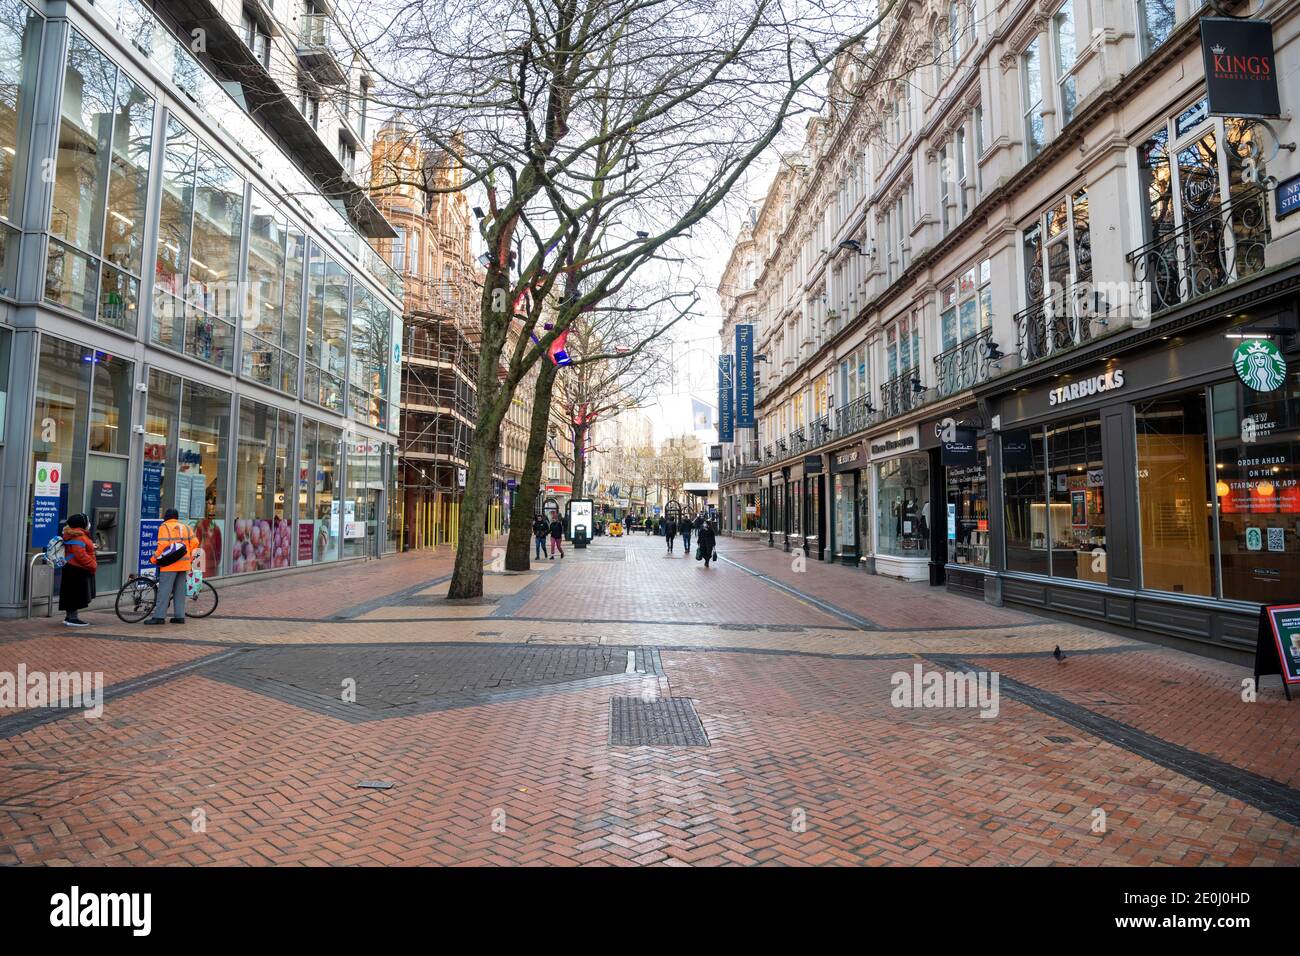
x=204, y=604
x=136, y=599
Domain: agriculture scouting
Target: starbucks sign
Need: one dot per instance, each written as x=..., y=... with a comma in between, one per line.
x=1259, y=365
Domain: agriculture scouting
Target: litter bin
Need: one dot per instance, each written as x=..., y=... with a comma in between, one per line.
x=580, y=536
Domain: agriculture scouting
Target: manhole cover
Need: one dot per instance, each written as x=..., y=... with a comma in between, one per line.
x=1060, y=740
x=670, y=722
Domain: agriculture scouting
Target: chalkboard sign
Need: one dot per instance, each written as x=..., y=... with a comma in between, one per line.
x=1277, y=651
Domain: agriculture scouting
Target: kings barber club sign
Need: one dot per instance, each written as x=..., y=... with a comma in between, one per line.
x=1240, y=71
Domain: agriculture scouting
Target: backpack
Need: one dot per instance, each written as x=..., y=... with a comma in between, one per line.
x=55, y=554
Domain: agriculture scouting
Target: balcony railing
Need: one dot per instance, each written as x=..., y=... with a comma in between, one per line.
x=1203, y=254
x=316, y=48
x=1055, y=323
x=820, y=431
x=855, y=416
x=964, y=365
x=898, y=395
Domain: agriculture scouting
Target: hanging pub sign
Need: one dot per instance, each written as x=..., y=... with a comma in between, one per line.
x=1240, y=71
x=745, y=377
x=726, y=407
x=1277, y=650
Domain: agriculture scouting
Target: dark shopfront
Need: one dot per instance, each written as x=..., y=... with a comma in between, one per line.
x=1142, y=481
x=813, y=519
x=850, y=484
x=959, y=548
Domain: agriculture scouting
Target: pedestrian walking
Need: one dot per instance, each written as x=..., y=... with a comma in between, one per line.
x=172, y=557
x=707, y=541
x=670, y=532
x=540, y=530
x=685, y=529
x=77, y=583
x=557, y=537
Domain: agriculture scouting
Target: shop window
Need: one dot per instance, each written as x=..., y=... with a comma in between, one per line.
x=263, y=536
x=1024, y=492
x=846, y=513
x=201, y=213
x=1174, y=506
x=62, y=406
x=1076, y=492
x=361, y=500
x=368, y=366
x=101, y=179
x=110, y=405
x=1257, y=488
x=903, y=507
x=20, y=39
x=968, y=511
x=318, y=515
x=200, y=486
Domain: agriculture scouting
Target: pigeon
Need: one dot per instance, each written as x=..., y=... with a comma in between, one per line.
x=1059, y=655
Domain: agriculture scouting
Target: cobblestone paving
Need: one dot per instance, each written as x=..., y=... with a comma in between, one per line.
x=492, y=720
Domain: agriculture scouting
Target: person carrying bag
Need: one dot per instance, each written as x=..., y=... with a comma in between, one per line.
x=172, y=557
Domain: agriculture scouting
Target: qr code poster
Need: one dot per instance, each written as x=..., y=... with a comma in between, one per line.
x=1277, y=539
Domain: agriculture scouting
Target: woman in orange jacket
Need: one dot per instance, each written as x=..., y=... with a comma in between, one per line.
x=77, y=582
x=172, y=535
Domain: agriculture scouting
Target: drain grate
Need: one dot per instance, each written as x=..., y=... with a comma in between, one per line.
x=1054, y=738
x=670, y=722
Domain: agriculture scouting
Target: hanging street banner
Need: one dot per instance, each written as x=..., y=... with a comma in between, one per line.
x=1240, y=71
x=745, y=377
x=726, y=411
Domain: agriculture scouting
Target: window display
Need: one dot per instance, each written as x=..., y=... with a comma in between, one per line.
x=1174, y=515
x=1257, y=487
x=968, y=511
x=903, y=507
x=1077, y=497
x=846, y=513
x=263, y=536
x=1024, y=492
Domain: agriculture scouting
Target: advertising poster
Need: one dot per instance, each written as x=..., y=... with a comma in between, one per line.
x=45, y=509
x=1285, y=623
x=183, y=496
x=306, y=535
x=148, y=543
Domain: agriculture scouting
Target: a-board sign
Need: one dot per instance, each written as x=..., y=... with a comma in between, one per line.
x=1277, y=651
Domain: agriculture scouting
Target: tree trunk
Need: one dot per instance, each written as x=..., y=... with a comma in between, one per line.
x=579, y=461
x=519, y=549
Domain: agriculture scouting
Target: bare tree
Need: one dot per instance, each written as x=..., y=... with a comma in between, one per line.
x=600, y=131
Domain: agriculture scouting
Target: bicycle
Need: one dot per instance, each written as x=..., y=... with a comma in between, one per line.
x=137, y=597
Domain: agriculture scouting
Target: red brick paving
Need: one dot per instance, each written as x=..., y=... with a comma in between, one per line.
x=643, y=583
x=1186, y=700
x=808, y=735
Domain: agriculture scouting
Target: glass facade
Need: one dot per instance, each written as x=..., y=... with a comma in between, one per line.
x=968, y=510
x=846, y=513
x=903, y=507
x=20, y=49
x=263, y=535
x=1024, y=493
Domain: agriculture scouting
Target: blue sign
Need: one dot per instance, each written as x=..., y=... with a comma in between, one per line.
x=726, y=409
x=148, y=544
x=45, y=521
x=1288, y=197
x=745, y=377
x=151, y=489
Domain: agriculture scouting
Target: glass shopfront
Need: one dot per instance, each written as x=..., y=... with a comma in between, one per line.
x=187, y=433
x=1054, y=500
x=968, y=510
x=1257, y=489
x=319, y=526
x=1175, y=517
x=846, y=514
x=903, y=507
x=81, y=433
x=263, y=534
x=361, y=501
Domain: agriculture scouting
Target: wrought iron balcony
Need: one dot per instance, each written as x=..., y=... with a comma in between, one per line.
x=1055, y=323
x=820, y=431
x=855, y=416
x=798, y=442
x=964, y=365
x=898, y=395
x=1205, y=253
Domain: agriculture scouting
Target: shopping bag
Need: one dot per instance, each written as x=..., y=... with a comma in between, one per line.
x=699, y=554
x=194, y=577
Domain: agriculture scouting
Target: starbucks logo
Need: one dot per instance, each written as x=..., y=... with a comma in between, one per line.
x=1259, y=365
